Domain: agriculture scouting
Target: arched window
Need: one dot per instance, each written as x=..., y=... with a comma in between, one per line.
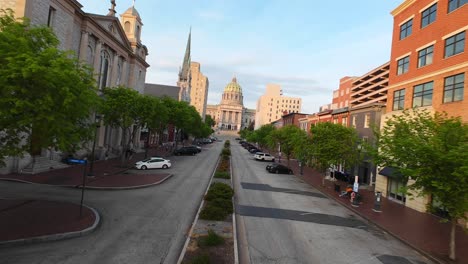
x=137, y=32
x=127, y=26
x=119, y=72
x=104, y=69
x=89, y=55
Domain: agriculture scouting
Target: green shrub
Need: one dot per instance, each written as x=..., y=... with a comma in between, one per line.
x=201, y=259
x=212, y=239
x=227, y=143
x=222, y=175
x=226, y=152
x=215, y=213
x=219, y=190
x=224, y=204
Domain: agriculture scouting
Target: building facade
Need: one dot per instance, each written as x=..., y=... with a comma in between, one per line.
x=428, y=69
x=341, y=96
x=199, y=89
x=272, y=104
x=367, y=105
x=111, y=46
x=231, y=114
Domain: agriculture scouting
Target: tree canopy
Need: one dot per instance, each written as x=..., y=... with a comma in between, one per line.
x=333, y=144
x=431, y=150
x=46, y=95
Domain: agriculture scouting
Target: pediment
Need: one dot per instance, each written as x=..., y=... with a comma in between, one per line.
x=112, y=25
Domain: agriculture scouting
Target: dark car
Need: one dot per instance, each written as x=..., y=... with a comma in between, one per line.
x=190, y=150
x=278, y=168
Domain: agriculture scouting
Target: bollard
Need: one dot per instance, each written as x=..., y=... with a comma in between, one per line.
x=378, y=198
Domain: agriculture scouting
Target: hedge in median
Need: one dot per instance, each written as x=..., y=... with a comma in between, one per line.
x=218, y=202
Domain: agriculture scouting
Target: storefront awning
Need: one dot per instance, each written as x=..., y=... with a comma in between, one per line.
x=391, y=172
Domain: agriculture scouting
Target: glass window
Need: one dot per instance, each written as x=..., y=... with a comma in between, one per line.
x=422, y=94
x=455, y=44
x=429, y=15
x=454, y=4
x=394, y=190
x=51, y=17
x=367, y=121
x=399, y=100
x=403, y=65
x=425, y=56
x=453, y=88
x=406, y=28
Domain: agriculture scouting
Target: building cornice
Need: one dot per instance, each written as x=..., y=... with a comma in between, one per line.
x=402, y=7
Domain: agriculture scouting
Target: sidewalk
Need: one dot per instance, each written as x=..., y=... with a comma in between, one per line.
x=422, y=231
x=53, y=220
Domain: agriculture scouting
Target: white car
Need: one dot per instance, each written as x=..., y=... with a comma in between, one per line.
x=264, y=156
x=153, y=163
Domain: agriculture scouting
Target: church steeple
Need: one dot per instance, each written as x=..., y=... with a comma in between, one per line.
x=184, y=72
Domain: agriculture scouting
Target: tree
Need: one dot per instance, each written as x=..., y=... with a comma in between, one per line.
x=122, y=108
x=333, y=144
x=432, y=152
x=155, y=116
x=261, y=135
x=47, y=96
x=284, y=137
x=209, y=121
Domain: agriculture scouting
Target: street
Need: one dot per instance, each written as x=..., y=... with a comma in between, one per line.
x=284, y=220
x=147, y=225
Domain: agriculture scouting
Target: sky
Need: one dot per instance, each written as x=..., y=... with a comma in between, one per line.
x=305, y=46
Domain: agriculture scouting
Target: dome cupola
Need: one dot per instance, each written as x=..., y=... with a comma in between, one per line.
x=233, y=86
x=232, y=93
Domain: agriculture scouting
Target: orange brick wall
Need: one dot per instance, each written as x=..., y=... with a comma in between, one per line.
x=441, y=67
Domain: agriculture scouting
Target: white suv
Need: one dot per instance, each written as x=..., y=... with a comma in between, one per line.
x=264, y=156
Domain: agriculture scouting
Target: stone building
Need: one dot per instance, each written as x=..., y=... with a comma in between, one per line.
x=231, y=114
x=199, y=89
x=272, y=105
x=111, y=46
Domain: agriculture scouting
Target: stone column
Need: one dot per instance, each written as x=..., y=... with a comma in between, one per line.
x=123, y=77
x=97, y=59
x=114, y=70
x=84, y=45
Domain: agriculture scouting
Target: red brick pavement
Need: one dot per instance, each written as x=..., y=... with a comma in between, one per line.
x=422, y=231
x=25, y=219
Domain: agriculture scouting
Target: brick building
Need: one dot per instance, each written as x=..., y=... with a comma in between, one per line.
x=428, y=69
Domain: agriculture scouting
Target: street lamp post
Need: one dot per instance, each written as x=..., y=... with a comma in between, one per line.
x=97, y=120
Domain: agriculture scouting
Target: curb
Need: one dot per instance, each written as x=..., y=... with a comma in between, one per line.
x=90, y=187
x=423, y=252
x=126, y=188
x=58, y=236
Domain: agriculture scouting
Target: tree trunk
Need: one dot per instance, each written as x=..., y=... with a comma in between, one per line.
x=124, y=148
x=147, y=143
x=452, y=239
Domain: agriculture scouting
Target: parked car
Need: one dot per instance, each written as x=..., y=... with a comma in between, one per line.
x=278, y=168
x=186, y=151
x=199, y=149
x=264, y=156
x=254, y=150
x=153, y=163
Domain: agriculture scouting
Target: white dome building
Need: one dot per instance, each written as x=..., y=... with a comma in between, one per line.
x=230, y=114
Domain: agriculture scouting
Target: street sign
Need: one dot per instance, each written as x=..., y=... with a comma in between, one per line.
x=76, y=161
x=356, y=187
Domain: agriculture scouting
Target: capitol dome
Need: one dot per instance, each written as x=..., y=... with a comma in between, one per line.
x=233, y=87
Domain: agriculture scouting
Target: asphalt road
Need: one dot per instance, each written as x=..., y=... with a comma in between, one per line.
x=147, y=225
x=283, y=220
